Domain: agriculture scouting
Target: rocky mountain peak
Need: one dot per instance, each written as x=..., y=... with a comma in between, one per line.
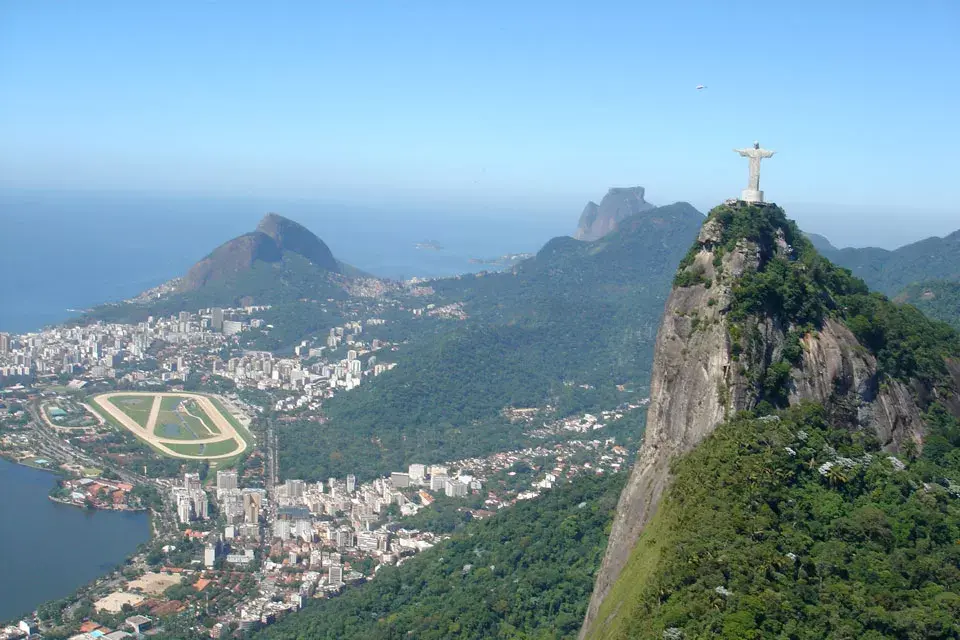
x=757, y=321
x=293, y=236
x=274, y=236
x=597, y=220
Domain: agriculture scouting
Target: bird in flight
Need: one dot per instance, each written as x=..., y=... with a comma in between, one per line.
x=701, y=86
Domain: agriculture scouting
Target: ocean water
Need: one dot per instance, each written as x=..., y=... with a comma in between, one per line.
x=61, y=251
x=48, y=550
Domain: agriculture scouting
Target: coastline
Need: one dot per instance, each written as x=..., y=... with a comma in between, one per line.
x=71, y=503
x=59, y=476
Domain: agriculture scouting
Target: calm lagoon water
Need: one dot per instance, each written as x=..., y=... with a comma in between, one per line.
x=48, y=550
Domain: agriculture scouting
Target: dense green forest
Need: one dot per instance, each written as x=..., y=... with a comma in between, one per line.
x=525, y=573
x=577, y=314
x=939, y=299
x=784, y=526
x=802, y=291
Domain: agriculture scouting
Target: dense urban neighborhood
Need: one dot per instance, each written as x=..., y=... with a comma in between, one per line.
x=234, y=548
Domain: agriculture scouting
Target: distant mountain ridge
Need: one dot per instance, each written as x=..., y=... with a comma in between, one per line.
x=891, y=271
x=597, y=220
x=279, y=262
x=272, y=237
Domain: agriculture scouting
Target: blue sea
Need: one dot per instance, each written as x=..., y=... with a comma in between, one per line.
x=63, y=251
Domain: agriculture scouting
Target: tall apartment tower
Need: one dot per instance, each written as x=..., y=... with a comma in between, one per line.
x=216, y=319
x=191, y=481
x=226, y=480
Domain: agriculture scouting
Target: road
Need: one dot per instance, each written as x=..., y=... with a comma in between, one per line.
x=49, y=443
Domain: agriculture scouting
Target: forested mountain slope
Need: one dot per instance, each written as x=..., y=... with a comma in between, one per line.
x=577, y=315
x=279, y=262
x=938, y=299
x=786, y=526
x=758, y=321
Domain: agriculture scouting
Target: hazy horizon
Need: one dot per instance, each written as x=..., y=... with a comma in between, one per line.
x=843, y=225
x=534, y=108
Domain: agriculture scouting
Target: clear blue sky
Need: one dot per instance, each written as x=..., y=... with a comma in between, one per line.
x=541, y=105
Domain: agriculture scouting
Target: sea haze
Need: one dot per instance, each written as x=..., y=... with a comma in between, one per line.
x=61, y=251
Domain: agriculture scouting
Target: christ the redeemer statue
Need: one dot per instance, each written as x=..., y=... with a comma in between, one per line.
x=752, y=193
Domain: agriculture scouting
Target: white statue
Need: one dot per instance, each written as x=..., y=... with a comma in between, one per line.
x=752, y=193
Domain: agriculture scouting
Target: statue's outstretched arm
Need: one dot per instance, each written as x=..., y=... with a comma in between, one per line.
x=742, y=152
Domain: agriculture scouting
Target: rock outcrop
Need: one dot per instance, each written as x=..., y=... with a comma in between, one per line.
x=274, y=236
x=597, y=220
x=293, y=236
x=708, y=365
x=231, y=258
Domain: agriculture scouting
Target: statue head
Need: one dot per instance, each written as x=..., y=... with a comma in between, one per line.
x=756, y=145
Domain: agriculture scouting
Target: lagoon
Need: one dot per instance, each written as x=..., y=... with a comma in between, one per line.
x=48, y=550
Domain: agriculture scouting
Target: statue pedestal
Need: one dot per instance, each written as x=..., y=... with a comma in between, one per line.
x=751, y=195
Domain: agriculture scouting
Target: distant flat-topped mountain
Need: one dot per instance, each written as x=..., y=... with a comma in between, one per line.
x=597, y=220
x=274, y=236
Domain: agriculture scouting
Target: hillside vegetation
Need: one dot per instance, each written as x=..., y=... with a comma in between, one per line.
x=524, y=573
x=285, y=281
x=938, y=299
x=799, y=289
x=789, y=520
x=578, y=314
x=784, y=526
x=890, y=272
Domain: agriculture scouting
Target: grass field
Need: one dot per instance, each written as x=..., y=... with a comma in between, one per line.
x=211, y=449
x=183, y=419
x=137, y=407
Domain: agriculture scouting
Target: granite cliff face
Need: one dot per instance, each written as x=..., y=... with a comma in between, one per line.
x=274, y=236
x=597, y=220
x=713, y=359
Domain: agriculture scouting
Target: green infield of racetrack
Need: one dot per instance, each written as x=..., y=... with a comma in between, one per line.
x=177, y=425
x=210, y=449
x=137, y=407
x=185, y=448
